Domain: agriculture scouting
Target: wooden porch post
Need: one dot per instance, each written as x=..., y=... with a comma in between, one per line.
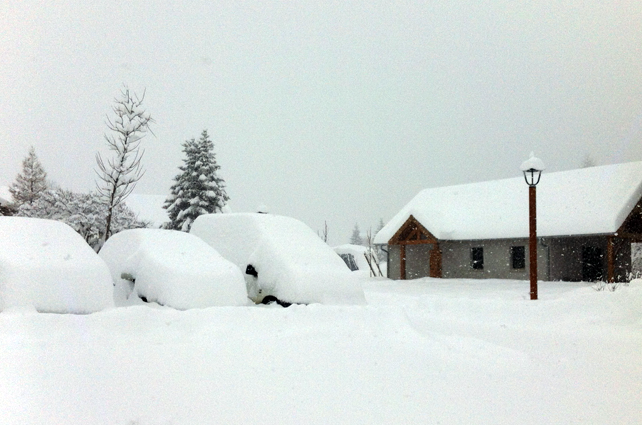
x=402, y=262
x=610, y=259
x=435, y=261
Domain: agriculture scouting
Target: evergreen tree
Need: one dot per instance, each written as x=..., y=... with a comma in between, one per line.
x=381, y=255
x=197, y=189
x=31, y=183
x=356, y=239
x=84, y=212
x=588, y=161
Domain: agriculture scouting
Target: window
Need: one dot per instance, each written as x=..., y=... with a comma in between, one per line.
x=518, y=257
x=350, y=262
x=477, y=256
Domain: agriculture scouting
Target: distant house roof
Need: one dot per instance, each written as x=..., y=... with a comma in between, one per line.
x=5, y=196
x=586, y=201
x=148, y=207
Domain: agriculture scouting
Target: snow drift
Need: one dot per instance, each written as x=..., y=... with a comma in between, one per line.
x=291, y=261
x=426, y=351
x=46, y=265
x=175, y=269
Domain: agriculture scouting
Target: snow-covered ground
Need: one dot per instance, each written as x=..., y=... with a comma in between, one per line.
x=427, y=351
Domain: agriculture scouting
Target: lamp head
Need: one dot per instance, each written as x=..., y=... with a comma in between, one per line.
x=532, y=169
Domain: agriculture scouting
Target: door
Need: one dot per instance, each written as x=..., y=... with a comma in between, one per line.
x=592, y=259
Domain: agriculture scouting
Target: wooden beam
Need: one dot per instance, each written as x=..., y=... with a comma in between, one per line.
x=435, y=261
x=396, y=238
x=402, y=262
x=610, y=259
x=418, y=242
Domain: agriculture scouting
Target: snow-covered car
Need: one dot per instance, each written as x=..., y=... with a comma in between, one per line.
x=47, y=265
x=173, y=268
x=283, y=259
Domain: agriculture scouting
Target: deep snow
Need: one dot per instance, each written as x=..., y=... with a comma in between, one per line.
x=46, y=265
x=427, y=351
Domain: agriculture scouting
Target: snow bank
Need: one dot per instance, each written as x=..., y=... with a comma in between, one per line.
x=292, y=262
x=46, y=265
x=175, y=269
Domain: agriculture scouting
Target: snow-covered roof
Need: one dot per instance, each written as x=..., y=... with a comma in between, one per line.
x=5, y=195
x=586, y=201
x=148, y=207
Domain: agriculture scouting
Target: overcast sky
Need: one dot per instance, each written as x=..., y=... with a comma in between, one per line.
x=325, y=110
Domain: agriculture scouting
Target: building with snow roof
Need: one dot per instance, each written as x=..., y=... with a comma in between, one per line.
x=5, y=201
x=586, y=222
x=5, y=196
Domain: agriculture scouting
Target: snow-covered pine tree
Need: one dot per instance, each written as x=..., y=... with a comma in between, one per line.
x=381, y=255
x=197, y=189
x=84, y=212
x=356, y=239
x=31, y=183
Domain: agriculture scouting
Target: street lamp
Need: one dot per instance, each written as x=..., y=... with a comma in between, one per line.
x=532, y=169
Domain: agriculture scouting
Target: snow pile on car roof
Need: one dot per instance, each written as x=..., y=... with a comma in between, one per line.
x=174, y=268
x=46, y=265
x=292, y=262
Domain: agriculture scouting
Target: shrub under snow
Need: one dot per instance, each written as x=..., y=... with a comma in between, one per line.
x=292, y=262
x=46, y=265
x=174, y=268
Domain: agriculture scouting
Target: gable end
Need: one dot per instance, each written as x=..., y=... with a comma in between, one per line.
x=412, y=232
x=632, y=226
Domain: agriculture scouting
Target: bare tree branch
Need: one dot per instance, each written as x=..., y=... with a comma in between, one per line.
x=120, y=173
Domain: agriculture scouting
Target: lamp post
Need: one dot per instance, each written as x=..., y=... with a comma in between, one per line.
x=532, y=169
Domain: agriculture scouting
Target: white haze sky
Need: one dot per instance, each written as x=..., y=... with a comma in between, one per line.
x=325, y=110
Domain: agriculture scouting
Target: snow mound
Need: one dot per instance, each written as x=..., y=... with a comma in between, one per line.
x=46, y=265
x=175, y=269
x=291, y=261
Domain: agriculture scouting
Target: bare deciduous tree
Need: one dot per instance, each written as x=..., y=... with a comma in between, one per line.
x=588, y=161
x=324, y=235
x=119, y=175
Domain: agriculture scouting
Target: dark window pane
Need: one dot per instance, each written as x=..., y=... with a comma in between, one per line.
x=518, y=257
x=477, y=255
x=350, y=261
